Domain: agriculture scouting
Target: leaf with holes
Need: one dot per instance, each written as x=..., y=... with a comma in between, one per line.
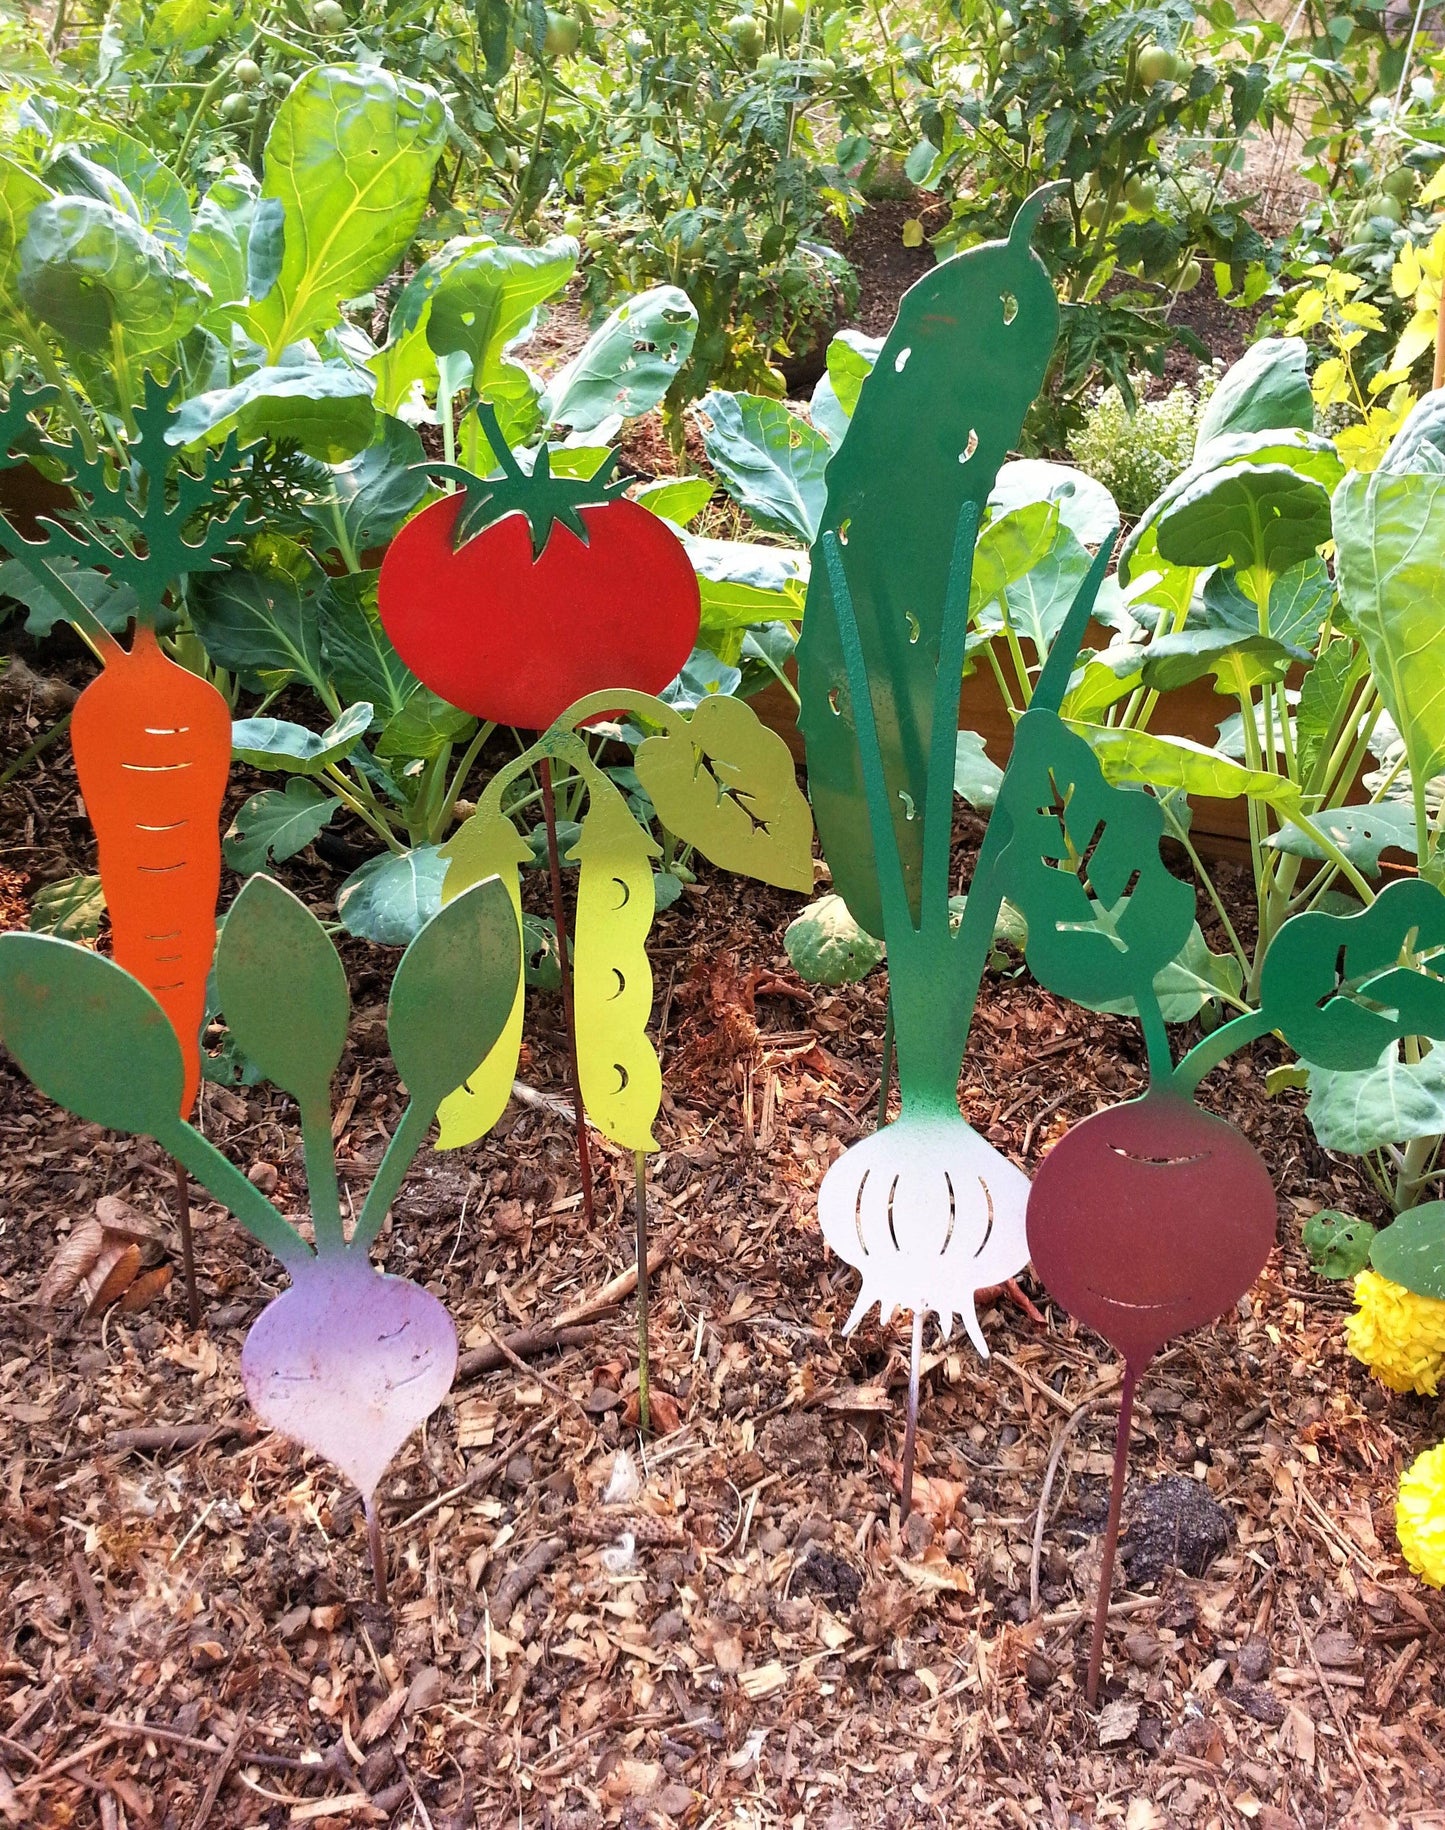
x=727, y=785
x=771, y=460
x=1083, y=866
x=277, y=823
x=1341, y=988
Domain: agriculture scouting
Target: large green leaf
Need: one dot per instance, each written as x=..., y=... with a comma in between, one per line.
x=349, y=158
x=422, y=728
x=277, y=823
x=389, y=899
x=850, y=357
x=770, y=461
x=1361, y=833
x=1194, y=978
x=1266, y=390
x=216, y=249
x=1236, y=660
x=96, y=276
x=276, y=743
x=1007, y=549
x=1411, y=1250
x=377, y=489
x=325, y=407
x=20, y=192
x=115, y=604
x=488, y=296
x=1390, y=561
x=1299, y=601
x=627, y=365
x=1304, y=452
x=977, y=778
x=742, y=582
x=1419, y=445
x=1039, y=601
x=1265, y=515
x=827, y=947
x=88, y=1035
x=264, y=626
x=1085, y=507
x=358, y=652
x=1388, y=1104
x=1178, y=762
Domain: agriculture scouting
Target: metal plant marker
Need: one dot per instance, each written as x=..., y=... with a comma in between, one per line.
x=152, y=741
x=348, y=1360
x=926, y=1210
x=717, y=779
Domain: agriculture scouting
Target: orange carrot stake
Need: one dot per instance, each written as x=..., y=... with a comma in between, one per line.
x=152, y=747
x=152, y=741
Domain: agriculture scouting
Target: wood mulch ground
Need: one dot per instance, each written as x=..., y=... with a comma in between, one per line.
x=721, y=1625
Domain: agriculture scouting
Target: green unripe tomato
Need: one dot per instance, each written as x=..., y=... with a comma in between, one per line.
x=747, y=36
x=233, y=106
x=768, y=62
x=1401, y=183
x=1140, y=193
x=1094, y=212
x=791, y=18
x=247, y=71
x=1183, y=67
x=574, y=224
x=328, y=16
x=564, y=34
x=280, y=82
x=1190, y=275
x=1387, y=206
x=1156, y=65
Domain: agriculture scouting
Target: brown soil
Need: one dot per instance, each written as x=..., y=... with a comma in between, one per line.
x=748, y=1636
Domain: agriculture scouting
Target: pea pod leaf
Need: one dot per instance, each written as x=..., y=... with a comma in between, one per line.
x=488, y=845
x=728, y=786
x=617, y=1065
x=349, y=159
x=1334, y=985
x=1082, y=865
x=1411, y=1250
x=88, y=1035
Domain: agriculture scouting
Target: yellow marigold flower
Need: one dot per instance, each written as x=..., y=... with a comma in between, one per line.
x=1420, y=1515
x=1398, y=1335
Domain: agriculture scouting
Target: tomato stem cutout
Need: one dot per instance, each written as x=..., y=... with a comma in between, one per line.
x=523, y=593
x=152, y=740
x=347, y=1361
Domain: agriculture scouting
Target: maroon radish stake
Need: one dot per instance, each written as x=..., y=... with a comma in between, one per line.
x=1152, y=1217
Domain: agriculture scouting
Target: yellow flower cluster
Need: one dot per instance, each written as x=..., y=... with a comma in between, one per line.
x=1420, y=1515
x=1398, y=1335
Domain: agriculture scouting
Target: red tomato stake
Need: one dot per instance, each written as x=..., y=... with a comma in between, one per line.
x=523, y=593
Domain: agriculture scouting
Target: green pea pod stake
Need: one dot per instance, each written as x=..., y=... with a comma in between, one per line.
x=348, y=1361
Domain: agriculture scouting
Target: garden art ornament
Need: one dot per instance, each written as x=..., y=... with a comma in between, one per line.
x=555, y=603
x=152, y=740
x=925, y=1209
x=348, y=1360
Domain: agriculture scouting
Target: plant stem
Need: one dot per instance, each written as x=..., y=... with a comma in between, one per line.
x=644, y=1374
x=41, y=744
x=910, y=1428
x=188, y=1244
x=1111, y=1531
x=569, y=1014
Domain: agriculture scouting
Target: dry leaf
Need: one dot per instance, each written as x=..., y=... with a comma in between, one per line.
x=1118, y=1720
x=118, y=1216
x=381, y=1717
x=74, y=1259
x=933, y=1571
x=111, y=1276
x=145, y=1288
x=935, y=1498
x=764, y=1681
x=631, y=1779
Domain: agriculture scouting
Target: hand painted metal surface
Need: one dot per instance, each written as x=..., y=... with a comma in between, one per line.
x=523, y=593
x=620, y=1074
x=1343, y=988
x=719, y=781
x=348, y=1361
x=937, y=416
x=152, y=741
